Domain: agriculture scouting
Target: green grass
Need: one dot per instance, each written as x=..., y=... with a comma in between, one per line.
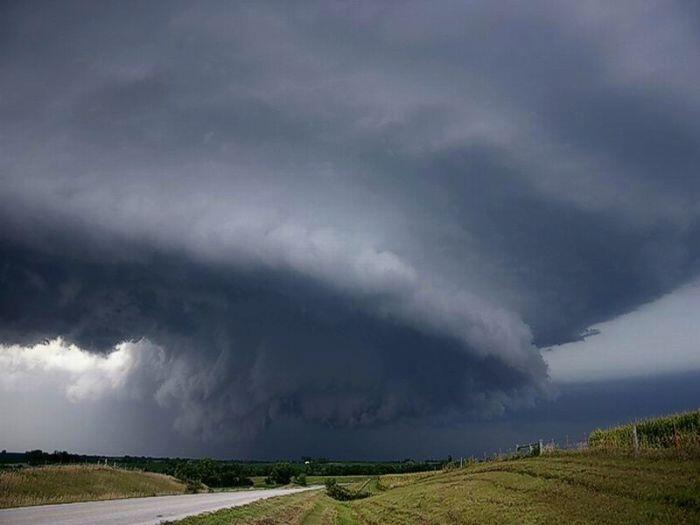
x=678, y=432
x=573, y=488
x=66, y=484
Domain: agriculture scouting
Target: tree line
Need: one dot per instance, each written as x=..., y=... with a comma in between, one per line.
x=226, y=473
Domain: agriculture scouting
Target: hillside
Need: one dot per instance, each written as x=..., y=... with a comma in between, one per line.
x=65, y=484
x=561, y=488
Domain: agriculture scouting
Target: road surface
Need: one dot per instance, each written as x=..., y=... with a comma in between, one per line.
x=134, y=511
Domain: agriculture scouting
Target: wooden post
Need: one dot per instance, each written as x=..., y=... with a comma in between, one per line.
x=676, y=437
x=635, y=440
x=539, y=447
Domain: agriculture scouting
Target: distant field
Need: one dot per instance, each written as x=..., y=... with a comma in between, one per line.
x=65, y=484
x=572, y=488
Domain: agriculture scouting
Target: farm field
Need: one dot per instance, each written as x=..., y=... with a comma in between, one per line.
x=67, y=484
x=562, y=488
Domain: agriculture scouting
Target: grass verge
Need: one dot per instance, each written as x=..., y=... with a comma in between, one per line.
x=67, y=484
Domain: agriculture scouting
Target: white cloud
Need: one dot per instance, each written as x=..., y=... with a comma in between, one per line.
x=661, y=337
x=78, y=374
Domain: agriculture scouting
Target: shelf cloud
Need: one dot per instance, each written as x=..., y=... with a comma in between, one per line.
x=351, y=214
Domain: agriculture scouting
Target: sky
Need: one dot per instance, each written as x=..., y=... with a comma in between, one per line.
x=367, y=230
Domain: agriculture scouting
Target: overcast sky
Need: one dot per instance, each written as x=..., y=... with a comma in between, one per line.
x=267, y=229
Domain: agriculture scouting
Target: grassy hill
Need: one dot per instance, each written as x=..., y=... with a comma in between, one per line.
x=65, y=484
x=560, y=488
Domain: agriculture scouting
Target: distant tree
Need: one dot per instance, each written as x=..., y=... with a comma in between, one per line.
x=60, y=457
x=209, y=472
x=36, y=457
x=281, y=474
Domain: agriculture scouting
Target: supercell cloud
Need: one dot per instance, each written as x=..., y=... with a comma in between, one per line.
x=352, y=214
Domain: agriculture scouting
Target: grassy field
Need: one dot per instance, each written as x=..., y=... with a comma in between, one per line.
x=563, y=488
x=65, y=484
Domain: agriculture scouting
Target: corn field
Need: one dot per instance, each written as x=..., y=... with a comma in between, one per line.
x=677, y=431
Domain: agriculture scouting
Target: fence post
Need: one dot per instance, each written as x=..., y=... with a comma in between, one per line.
x=676, y=437
x=539, y=447
x=635, y=440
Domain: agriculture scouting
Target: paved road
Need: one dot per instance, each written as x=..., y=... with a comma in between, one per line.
x=134, y=511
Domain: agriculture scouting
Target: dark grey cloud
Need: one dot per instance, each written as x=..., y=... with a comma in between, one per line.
x=245, y=349
x=354, y=213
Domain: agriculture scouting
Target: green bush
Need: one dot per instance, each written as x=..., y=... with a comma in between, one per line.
x=340, y=493
x=192, y=487
x=300, y=479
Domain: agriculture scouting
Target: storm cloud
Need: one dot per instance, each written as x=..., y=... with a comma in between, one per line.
x=352, y=214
